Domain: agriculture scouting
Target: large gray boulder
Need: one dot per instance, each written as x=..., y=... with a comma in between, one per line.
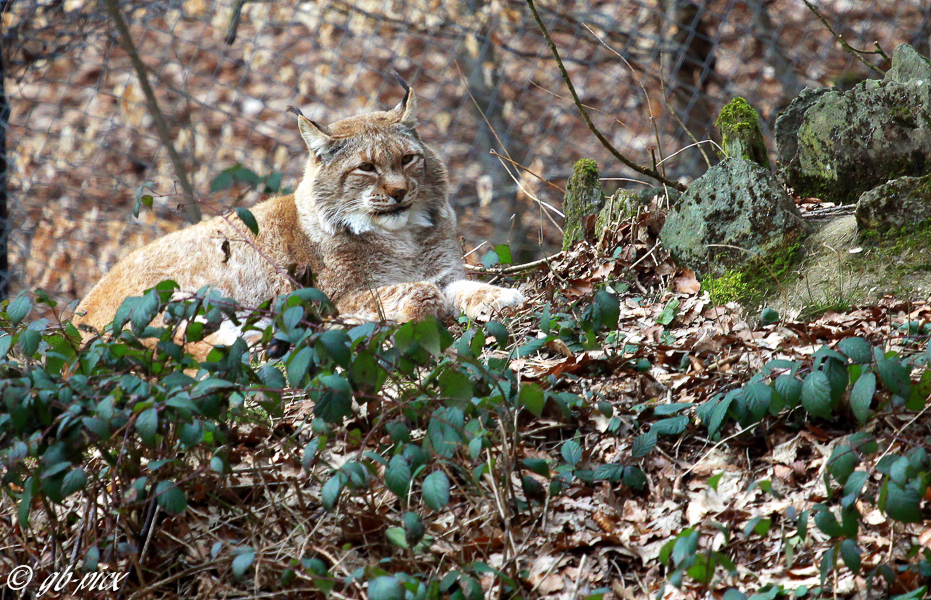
x=900, y=203
x=836, y=145
x=734, y=215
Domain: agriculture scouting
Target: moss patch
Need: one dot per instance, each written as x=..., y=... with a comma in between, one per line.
x=751, y=286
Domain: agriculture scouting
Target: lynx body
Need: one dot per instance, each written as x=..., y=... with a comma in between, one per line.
x=371, y=219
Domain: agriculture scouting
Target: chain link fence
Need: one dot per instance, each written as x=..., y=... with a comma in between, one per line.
x=83, y=141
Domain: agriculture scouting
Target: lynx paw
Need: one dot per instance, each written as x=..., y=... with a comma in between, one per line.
x=479, y=300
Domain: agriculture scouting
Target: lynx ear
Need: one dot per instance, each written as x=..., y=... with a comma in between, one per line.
x=315, y=135
x=407, y=108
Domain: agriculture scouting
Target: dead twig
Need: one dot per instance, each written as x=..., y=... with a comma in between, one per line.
x=858, y=54
x=191, y=208
x=514, y=268
x=588, y=121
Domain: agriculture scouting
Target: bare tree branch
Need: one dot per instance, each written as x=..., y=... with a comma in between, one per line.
x=588, y=121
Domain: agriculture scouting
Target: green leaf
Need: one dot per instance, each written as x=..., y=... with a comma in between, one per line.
x=902, y=504
x=669, y=313
x=789, y=389
x=427, y=334
x=538, y=466
x=572, y=452
x=299, y=366
x=413, y=529
x=532, y=397
x=329, y=494
x=222, y=181
x=504, y=254
x=609, y=308
x=673, y=408
x=500, y=333
x=490, y=259
x=147, y=426
x=643, y=444
x=758, y=397
x=713, y=411
x=191, y=434
x=855, y=483
x=443, y=431
x=334, y=402
x=144, y=312
x=635, y=478
x=366, y=374
x=856, y=349
x=920, y=393
x=436, y=490
x=844, y=460
x=532, y=347
x=29, y=341
x=242, y=562
x=850, y=553
x=455, y=384
x=385, y=588
x=894, y=376
x=671, y=426
x=337, y=343
x=838, y=377
x=816, y=395
x=73, y=482
x=398, y=476
x=861, y=396
x=246, y=217
x=397, y=536
x=827, y=522
x=768, y=316
x=170, y=497
x=18, y=309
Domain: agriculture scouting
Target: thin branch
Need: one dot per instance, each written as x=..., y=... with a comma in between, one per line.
x=191, y=208
x=514, y=268
x=591, y=126
x=840, y=40
x=523, y=168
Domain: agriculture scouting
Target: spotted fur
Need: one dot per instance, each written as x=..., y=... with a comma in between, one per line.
x=371, y=219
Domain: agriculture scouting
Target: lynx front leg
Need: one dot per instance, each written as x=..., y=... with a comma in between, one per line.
x=399, y=302
x=478, y=300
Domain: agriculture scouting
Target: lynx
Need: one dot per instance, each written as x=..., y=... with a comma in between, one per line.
x=371, y=219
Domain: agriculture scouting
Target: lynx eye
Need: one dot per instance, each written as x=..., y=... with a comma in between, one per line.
x=408, y=159
x=367, y=167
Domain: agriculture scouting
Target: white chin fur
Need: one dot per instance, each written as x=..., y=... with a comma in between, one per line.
x=359, y=224
x=392, y=222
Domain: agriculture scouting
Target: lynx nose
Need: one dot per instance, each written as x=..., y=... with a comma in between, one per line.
x=396, y=193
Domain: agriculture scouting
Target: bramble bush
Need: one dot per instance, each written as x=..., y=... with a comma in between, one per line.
x=129, y=419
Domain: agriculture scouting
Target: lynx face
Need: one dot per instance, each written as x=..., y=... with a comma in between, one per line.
x=372, y=172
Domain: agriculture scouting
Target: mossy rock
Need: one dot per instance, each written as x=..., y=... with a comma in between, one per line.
x=894, y=206
x=584, y=198
x=741, y=136
x=734, y=216
x=836, y=145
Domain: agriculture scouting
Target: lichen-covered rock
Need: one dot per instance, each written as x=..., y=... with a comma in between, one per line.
x=741, y=136
x=900, y=203
x=788, y=123
x=735, y=212
x=909, y=65
x=584, y=198
x=836, y=145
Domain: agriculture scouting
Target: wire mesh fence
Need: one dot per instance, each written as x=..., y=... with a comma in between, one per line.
x=83, y=139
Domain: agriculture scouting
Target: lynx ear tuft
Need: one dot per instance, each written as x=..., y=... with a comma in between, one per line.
x=315, y=135
x=407, y=108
